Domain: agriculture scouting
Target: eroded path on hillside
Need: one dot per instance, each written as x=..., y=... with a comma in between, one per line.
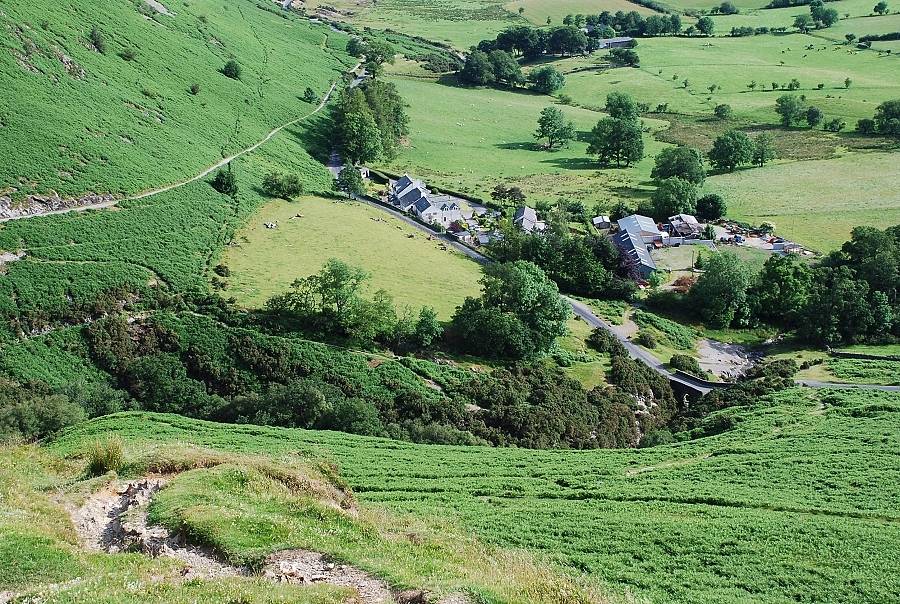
x=48, y=206
x=114, y=520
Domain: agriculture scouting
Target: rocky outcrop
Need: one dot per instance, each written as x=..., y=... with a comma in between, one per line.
x=38, y=205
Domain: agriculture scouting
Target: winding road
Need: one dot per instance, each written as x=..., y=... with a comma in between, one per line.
x=582, y=311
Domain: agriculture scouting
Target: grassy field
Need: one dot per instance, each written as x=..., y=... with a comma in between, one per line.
x=132, y=124
x=271, y=505
x=795, y=503
x=400, y=259
x=537, y=11
x=883, y=349
x=817, y=203
x=856, y=371
x=667, y=62
x=460, y=23
x=469, y=140
x=784, y=17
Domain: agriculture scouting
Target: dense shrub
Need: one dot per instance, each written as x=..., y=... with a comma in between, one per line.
x=686, y=363
x=232, y=70
x=646, y=339
x=281, y=185
x=34, y=410
x=603, y=341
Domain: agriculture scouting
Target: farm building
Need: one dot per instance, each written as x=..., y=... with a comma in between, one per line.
x=684, y=225
x=526, y=219
x=601, y=223
x=607, y=43
x=634, y=249
x=406, y=192
x=641, y=227
x=438, y=210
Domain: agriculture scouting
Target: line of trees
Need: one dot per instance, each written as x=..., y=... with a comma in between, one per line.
x=793, y=109
x=886, y=120
x=852, y=295
x=369, y=121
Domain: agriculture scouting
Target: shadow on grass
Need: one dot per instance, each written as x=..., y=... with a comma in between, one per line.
x=573, y=163
x=450, y=79
x=315, y=135
x=523, y=146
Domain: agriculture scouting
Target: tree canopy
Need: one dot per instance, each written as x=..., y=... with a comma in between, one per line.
x=685, y=163
x=519, y=313
x=554, y=127
x=720, y=294
x=732, y=149
x=617, y=140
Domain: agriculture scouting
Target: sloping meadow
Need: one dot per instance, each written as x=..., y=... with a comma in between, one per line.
x=795, y=503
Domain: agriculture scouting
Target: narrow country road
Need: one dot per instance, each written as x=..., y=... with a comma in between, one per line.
x=583, y=312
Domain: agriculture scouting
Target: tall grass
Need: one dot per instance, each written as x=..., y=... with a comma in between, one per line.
x=105, y=456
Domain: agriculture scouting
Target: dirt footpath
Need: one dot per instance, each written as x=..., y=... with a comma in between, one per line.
x=115, y=520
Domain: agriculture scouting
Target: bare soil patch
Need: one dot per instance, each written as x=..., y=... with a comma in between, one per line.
x=114, y=519
x=38, y=205
x=725, y=360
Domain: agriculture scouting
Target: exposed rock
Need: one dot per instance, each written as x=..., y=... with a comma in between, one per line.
x=72, y=68
x=305, y=567
x=36, y=205
x=412, y=596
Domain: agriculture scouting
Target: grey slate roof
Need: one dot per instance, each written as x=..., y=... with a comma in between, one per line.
x=422, y=205
x=526, y=219
x=638, y=224
x=635, y=249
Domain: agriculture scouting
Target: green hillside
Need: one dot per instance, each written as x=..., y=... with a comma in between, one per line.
x=133, y=123
x=794, y=503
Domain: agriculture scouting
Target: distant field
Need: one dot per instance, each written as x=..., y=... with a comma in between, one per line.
x=412, y=269
x=865, y=371
x=816, y=203
x=884, y=349
x=537, y=11
x=796, y=503
x=759, y=17
x=461, y=23
x=469, y=140
x=731, y=64
x=709, y=4
x=864, y=26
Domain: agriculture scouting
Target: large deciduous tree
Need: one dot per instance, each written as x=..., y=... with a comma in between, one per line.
x=790, y=108
x=674, y=196
x=763, y=149
x=731, y=150
x=621, y=105
x=519, y=313
x=554, y=127
x=546, y=79
x=887, y=118
x=720, y=294
x=617, y=140
x=685, y=163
